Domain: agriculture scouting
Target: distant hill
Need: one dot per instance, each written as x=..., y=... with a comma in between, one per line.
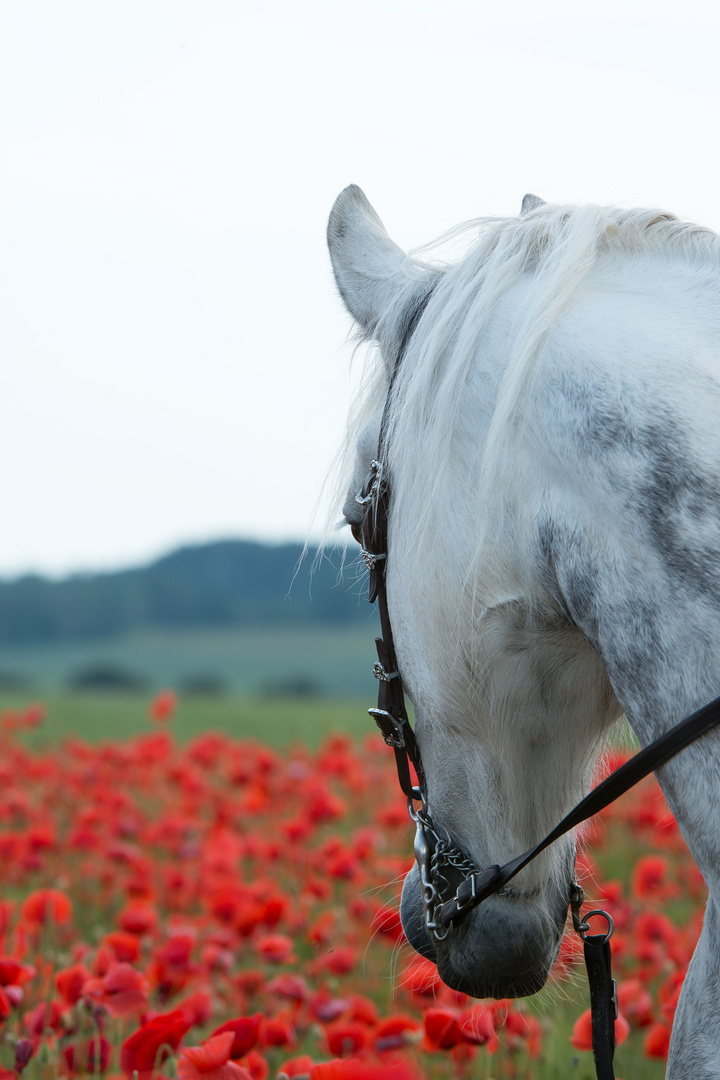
x=229, y=583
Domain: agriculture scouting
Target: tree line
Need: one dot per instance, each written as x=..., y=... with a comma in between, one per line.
x=227, y=583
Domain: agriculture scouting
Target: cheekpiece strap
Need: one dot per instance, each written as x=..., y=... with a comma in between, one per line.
x=390, y=715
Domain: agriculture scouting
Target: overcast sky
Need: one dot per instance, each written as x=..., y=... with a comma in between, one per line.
x=175, y=365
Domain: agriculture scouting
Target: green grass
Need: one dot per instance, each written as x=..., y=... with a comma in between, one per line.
x=96, y=717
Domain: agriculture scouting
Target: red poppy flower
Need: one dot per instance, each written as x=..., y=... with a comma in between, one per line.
x=569, y=955
x=273, y=909
x=297, y=1068
x=70, y=982
x=649, y=876
x=519, y=1026
x=45, y=905
x=476, y=1026
x=291, y=987
x=657, y=1041
x=47, y=1016
x=395, y=1032
x=275, y=948
x=442, y=1030
x=347, y=1038
x=245, y=1031
x=421, y=977
x=256, y=1065
x=146, y=1049
x=326, y=1008
x=163, y=705
x=250, y=982
x=277, y=1030
x=12, y=972
x=322, y=804
x=102, y=961
x=652, y=926
x=339, y=961
x=297, y=830
x=635, y=1002
x=363, y=1009
x=581, y=1037
x=211, y=1061
x=138, y=917
x=122, y=991
x=386, y=921
x=352, y=1069
x=125, y=945
x=197, y=1008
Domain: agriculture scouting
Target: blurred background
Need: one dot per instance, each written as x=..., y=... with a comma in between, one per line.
x=176, y=365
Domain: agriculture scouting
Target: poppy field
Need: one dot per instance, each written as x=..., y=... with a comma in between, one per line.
x=219, y=909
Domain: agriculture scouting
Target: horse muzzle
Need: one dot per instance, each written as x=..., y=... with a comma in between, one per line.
x=504, y=948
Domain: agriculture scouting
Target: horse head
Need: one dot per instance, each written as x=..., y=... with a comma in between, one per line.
x=510, y=700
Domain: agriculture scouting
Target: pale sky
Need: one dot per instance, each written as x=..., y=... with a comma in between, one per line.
x=176, y=366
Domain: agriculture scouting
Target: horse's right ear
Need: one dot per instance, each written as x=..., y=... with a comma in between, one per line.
x=370, y=270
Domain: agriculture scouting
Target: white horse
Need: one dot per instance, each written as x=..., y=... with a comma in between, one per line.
x=552, y=441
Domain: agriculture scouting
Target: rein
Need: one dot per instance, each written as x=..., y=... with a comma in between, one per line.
x=433, y=852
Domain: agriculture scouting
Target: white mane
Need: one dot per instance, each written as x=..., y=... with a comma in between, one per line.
x=554, y=248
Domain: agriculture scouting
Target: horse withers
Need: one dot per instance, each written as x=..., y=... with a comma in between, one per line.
x=548, y=406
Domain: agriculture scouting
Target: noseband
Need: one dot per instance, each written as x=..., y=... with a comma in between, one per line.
x=438, y=860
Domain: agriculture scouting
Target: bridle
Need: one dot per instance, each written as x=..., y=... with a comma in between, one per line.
x=437, y=858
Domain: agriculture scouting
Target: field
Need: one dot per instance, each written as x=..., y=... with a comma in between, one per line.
x=261, y=661
x=275, y=721
x=171, y=869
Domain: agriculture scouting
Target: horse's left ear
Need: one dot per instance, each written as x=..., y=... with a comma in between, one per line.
x=531, y=202
x=370, y=270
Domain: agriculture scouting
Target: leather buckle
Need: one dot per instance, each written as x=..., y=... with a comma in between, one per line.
x=390, y=728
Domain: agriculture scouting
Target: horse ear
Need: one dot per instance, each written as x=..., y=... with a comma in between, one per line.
x=370, y=270
x=531, y=202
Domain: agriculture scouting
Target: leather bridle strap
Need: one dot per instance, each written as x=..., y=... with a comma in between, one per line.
x=390, y=715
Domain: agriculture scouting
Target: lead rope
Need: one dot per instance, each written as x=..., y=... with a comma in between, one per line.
x=603, y=989
x=392, y=719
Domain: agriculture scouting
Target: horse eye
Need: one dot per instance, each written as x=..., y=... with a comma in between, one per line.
x=356, y=530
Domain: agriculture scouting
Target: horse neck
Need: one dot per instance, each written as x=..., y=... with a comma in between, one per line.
x=657, y=630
